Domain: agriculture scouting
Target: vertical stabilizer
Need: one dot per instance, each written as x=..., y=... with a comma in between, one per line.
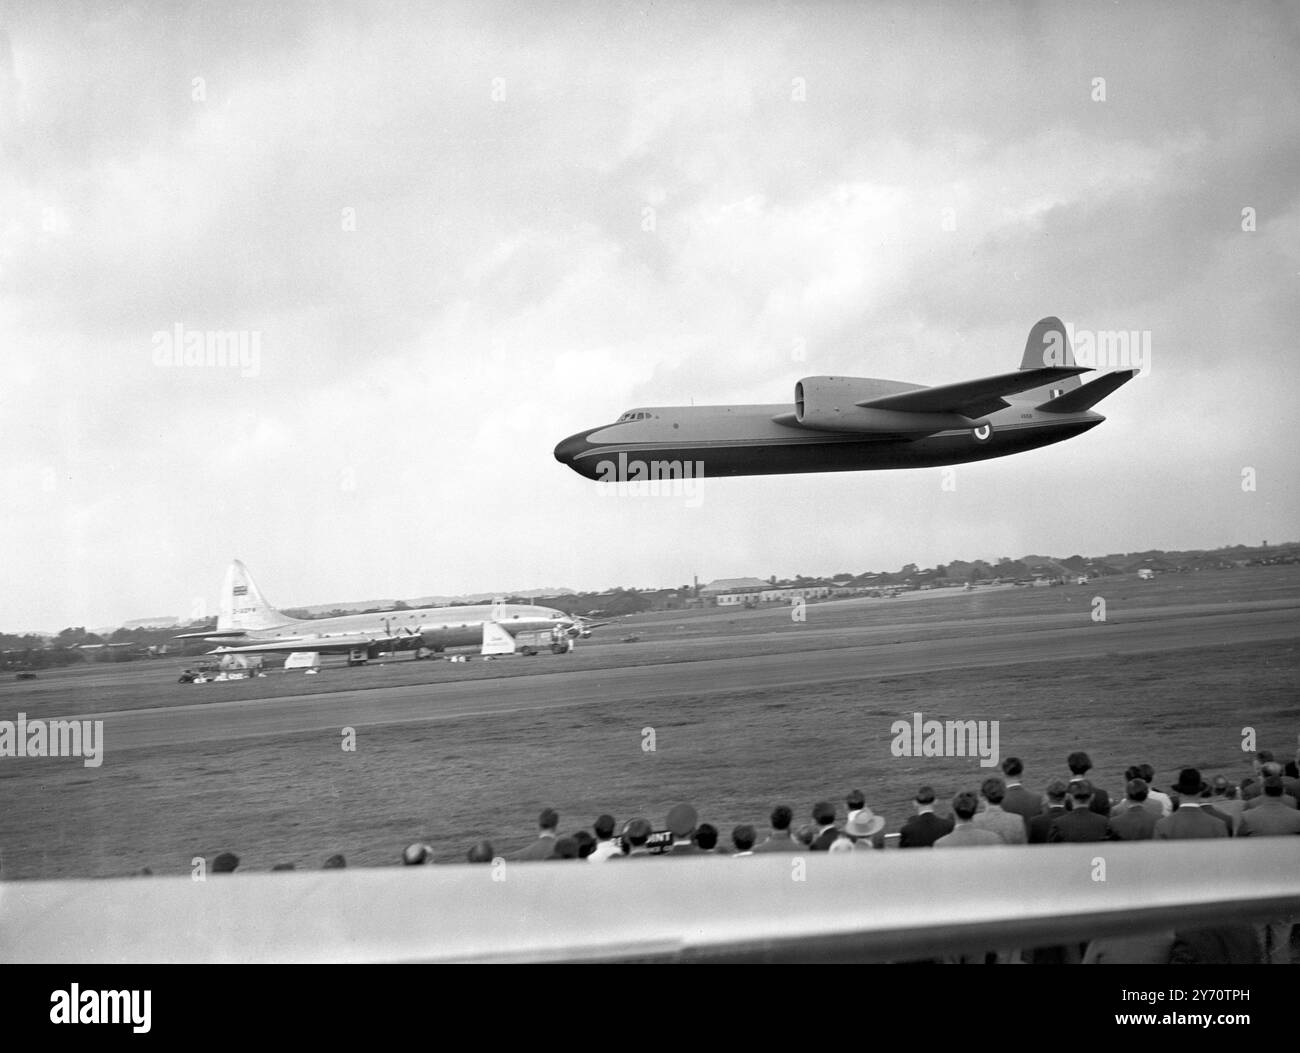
x=1048, y=345
x=242, y=604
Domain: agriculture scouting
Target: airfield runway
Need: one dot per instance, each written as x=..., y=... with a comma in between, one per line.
x=1051, y=639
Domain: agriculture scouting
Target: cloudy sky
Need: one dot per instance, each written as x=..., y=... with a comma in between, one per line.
x=459, y=234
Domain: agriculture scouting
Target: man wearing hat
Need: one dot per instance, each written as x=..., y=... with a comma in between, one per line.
x=866, y=829
x=1189, y=820
x=925, y=828
x=681, y=824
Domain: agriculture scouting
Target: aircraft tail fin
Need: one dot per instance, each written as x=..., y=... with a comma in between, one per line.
x=243, y=607
x=1084, y=398
x=1048, y=345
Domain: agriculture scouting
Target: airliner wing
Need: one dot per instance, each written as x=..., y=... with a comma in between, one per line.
x=972, y=398
x=320, y=644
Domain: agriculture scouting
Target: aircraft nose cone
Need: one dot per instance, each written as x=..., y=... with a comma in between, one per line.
x=567, y=450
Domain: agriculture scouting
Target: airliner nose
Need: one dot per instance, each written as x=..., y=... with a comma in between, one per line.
x=569, y=449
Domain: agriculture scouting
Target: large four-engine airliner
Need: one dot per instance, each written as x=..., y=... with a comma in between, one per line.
x=248, y=624
x=844, y=424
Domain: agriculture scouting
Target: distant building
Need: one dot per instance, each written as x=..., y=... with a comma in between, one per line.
x=161, y=622
x=732, y=592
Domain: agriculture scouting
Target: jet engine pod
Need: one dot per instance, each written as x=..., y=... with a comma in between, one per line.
x=829, y=404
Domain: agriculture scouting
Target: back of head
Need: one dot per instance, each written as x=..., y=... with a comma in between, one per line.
x=743, y=837
x=823, y=813
x=586, y=843
x=1012, y=767
x=481, y=853
x=417, y=855
x=925, y=795
x=1136, y=790
x=965, y=804
x=604, y=827
x=565, y=848
x=781, y=817
x=1079, y=763
x=993, y=789
x=806, y=834
x=1081, y=791
x=549, y=819
x=706, y=837
x=336, y=862
x=1273, y=785
x=1270, y=769
x=637, y=832
x=1057, y=790
x=1147, y=773
x=1134, y=772
x=225, y=863
x=856, y=800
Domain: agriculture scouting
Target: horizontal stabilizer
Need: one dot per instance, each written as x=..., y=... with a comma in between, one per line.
x=1085, y=397
x=972, y=398
x=496, y=640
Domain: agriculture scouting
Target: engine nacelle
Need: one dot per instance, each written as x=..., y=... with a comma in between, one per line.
x=830, y=404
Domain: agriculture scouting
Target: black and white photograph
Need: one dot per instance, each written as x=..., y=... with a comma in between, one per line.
x=721, y=436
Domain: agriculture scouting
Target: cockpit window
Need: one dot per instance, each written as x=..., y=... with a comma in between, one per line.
x=633, y=415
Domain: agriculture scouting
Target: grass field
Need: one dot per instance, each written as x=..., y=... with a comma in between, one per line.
x=300, y=797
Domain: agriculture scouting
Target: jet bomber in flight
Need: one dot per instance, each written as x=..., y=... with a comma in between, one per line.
x=846, y=424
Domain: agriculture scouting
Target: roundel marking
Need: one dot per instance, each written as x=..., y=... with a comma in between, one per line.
x=982, y=433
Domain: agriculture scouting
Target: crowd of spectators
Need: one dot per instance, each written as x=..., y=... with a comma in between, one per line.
x=1003, y=812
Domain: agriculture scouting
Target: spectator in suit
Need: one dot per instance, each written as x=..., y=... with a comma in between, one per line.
x=1040, y=826
x=1207, y=806
x=1148, y=802
x=1080, y=764
x=925, y=828
x=743, y=837
x=1271, y=770
x=1017, y=799
x=544, y=846
x=1225, y=800
x=1080, y=823
x=636, y=833
x=1134, y=823
x=1253, y=786
x=823, y=814
x=1147, y=774
x=965, y=832
x=779, y=840
x=706, y=839
x=1009, y=827
x=586, y=843
x=606, y=846
x=1189, y=819
x=1272, y=817
x=681, y=821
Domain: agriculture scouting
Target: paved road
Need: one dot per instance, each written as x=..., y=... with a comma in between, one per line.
x=1187, y=627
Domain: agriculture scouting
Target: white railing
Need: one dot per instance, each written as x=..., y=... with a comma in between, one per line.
x=877, y=906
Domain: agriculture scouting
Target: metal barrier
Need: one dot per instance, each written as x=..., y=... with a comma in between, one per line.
x=876, y=906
